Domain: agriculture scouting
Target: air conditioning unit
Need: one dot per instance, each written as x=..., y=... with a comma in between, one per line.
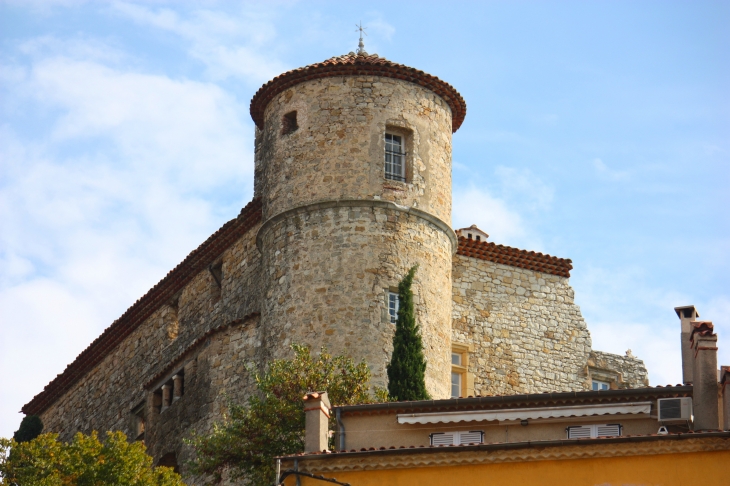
x=675, y=409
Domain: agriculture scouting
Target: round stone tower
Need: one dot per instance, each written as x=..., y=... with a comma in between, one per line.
x=353, y=167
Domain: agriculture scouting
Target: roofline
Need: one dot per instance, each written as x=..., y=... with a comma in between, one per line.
x=511, y=399
x=149, y=303
x=357, y=65
x=514, y=257
x=507, y=445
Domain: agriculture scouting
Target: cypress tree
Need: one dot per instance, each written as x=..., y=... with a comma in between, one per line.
x=30, y=428
x=407, y=367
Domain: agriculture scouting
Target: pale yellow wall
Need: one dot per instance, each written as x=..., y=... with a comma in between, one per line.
x=384, y=430
x=700, y=468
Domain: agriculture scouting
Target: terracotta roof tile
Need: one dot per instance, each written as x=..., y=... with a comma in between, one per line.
x=353, y=65
x=161, y=293
x=703, y=328
x=514, y=257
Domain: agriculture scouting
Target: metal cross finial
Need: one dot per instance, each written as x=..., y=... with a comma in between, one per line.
x=361, y=46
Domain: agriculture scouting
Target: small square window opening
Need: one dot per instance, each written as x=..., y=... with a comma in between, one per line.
x=395, y=166
x=600, y=385
x=289, y=123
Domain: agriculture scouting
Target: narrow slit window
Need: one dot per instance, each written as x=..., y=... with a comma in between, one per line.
x=395, y=158
x=393, y=306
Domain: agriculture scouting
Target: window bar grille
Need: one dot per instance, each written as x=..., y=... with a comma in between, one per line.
x=394, y=165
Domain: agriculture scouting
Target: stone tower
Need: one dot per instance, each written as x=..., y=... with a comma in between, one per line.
x=353, y=168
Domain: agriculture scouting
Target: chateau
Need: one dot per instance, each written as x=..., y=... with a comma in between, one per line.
x=352, y=188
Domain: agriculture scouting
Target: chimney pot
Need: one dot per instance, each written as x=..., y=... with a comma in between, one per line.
x=687, y=314
x=704, y=381
x=317, y=413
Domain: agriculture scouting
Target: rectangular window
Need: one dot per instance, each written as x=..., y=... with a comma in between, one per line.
x=457, y=438
x=393, y=306
x=139, y=418
x=459, y=371
x=456, y=384
x=600, y=385
x=395, y=158
x=594, y=431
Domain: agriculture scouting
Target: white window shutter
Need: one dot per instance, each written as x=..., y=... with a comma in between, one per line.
x=471, y=437
x=593, y=431
x=613, y=430
x=442, y=438
x=579, y=432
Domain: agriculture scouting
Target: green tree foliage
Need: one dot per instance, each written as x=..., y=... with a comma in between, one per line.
x=30, y=428
x=271, y=423
x=407, y=367
x=85, y=461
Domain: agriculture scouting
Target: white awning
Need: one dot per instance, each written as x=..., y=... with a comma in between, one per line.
x=516, y=414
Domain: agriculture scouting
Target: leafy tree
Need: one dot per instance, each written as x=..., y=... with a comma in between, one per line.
x=271, y=423
x=407, y=367
x=30, y=428
x=85, y=461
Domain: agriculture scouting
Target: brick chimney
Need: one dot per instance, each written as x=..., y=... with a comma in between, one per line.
x=317, y=413
x=704, y=382
x=725, y=386
x=687, y=314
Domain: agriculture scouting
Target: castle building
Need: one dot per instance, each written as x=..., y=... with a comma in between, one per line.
x=352, y=188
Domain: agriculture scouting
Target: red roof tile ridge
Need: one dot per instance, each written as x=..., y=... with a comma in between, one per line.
x=506, y=255
x=143, y=307
x=352, y=64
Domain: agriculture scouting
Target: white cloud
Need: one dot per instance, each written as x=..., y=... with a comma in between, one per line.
x=131, y=173
x=478, y=206
x=524, y=186
x=606, y=173
x=623, y=311
x=228, y=45
x=501, y=208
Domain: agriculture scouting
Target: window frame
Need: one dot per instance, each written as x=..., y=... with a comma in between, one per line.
x=393, y=297
x=403, y=155
x=456, y=437
x=462, y=369
x=600, y=384
x=593, y=433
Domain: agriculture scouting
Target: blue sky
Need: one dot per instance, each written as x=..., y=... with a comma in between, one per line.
x=596, y=131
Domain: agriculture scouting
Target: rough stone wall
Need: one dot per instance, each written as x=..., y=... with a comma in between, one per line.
x=528, y=334
x=338, y=150
x=329, y=271
x=619, y=371
x=218, y=369
x=104, y=397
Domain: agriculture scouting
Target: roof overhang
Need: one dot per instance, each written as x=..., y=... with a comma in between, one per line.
x=635, y=409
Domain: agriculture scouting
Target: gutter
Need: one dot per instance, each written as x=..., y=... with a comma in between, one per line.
x=512, y=400
x=508, y=446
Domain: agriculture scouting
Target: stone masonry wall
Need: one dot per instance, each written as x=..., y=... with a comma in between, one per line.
x=217, y=370
x=527, y=333
x=338, y=150
x=619, y=371
x=104, y=397
x=329, y=271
